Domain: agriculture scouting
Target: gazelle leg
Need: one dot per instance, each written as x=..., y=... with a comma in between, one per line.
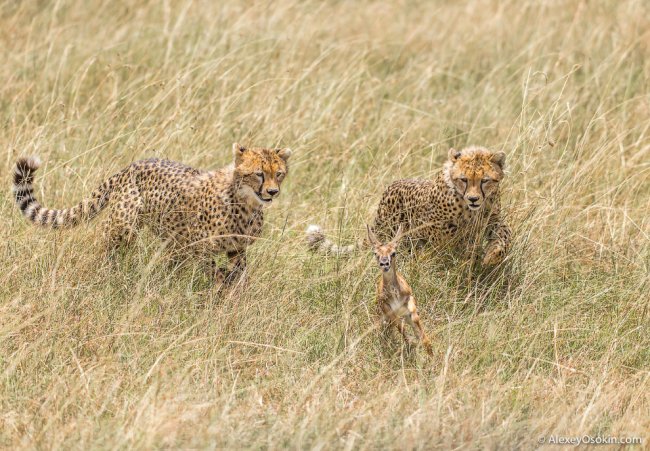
x=395, y=320
x=414, y=320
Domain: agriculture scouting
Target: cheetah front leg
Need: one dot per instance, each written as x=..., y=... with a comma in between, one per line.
x=237, y=270
x=233, y=274
x=217, y=273
x=498, y=242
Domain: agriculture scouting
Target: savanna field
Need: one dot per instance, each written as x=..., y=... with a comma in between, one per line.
x=135, y=353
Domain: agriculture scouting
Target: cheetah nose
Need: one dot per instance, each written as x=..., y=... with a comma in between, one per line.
x=273, y=191
x=473, y=199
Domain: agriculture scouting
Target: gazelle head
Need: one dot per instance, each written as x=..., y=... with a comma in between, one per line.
x=385, y=253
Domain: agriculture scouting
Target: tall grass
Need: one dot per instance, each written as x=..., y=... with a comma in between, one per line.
x=135, y=355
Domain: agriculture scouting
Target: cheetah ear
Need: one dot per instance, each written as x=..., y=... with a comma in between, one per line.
x=238, y=150
x=371, y=236
x=284, y=153
x=499, y=158
x=453, y=154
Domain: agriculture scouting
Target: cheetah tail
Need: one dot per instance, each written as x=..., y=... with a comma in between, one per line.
x=23, y=189
x=318, y=242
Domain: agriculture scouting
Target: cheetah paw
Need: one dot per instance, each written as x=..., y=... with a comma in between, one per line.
x=493, y=256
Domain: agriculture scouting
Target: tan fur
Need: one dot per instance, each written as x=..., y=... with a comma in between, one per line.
x=460, y=203
x=200, y=213
x=394, y=295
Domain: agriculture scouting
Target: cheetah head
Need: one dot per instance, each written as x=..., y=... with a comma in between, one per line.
x=474, y=173
x=260, y=172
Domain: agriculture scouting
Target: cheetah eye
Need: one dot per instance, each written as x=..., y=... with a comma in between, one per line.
x=279, y=174
x=392, y=254
x=463, y=179
x=259, y=174
x=485, y=180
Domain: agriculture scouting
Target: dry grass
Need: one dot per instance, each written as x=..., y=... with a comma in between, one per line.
x=136, y=356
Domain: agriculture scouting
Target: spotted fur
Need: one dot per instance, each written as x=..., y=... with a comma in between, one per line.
x=461, y=203
x=200, y=213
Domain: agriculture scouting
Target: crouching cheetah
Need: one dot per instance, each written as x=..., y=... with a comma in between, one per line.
x=198, y=213
x=460, y=203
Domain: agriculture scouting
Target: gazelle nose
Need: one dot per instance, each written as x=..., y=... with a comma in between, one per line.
x=273, y=191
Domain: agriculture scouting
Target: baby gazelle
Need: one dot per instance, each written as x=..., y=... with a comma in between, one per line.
x=394, y=295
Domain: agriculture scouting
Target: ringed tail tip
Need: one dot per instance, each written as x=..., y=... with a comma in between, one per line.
x=314, y=228
x=315, y=236
x=29, y=164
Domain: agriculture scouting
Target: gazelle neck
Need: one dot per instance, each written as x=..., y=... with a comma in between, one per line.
x=390, y=276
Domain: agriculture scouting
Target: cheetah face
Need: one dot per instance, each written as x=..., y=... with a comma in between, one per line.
x=260, y=172
x=384, y=253
x=475, y=173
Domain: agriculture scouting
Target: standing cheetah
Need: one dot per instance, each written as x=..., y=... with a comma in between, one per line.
x=460, y=203
x=200, y=213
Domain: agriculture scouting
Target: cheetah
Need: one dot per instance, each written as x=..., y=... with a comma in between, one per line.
x=197, y=213
x=459, y=204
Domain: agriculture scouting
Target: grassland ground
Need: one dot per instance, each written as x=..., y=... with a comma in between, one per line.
x=139, y=354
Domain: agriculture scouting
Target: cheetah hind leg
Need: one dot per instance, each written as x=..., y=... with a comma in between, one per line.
x=121, y=226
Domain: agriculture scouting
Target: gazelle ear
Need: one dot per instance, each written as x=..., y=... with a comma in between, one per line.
x=238, y=150
x=371, y=236
x=499, y=158
x=398, y=235
x=284, y=153
x=453, y=155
